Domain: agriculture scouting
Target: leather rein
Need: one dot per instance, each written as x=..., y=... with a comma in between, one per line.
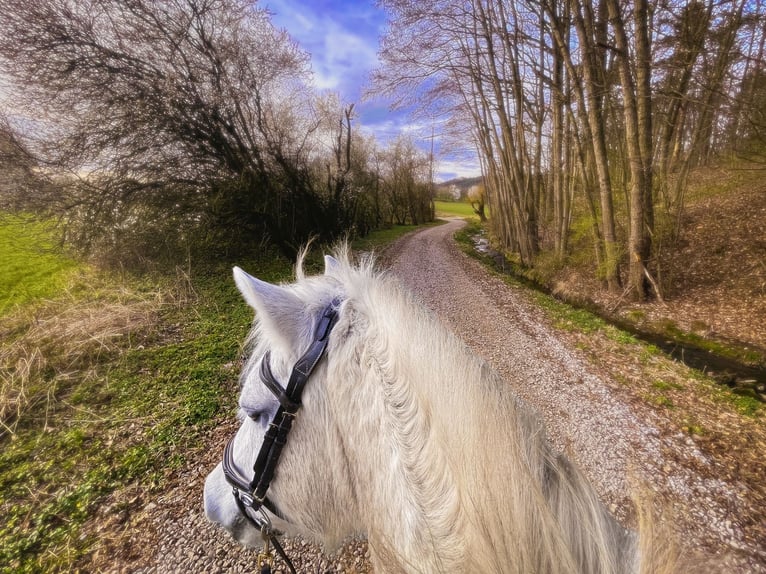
x=250, y=496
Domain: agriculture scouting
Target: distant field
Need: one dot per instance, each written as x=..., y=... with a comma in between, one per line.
x=30, y=266
x=454, y=209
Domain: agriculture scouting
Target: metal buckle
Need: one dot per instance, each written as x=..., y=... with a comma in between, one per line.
x=266, y=528
x=246, y=497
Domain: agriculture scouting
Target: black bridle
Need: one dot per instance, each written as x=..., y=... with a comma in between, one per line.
x=250, y=496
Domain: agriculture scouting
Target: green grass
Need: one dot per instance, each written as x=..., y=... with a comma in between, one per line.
x=658, y=400
x=662, y=385
x=455, y=209
x=30, y=265
x=746, y=405
x=669, y=328
x=129, y=416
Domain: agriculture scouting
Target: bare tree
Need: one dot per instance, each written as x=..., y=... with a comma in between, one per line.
x=635, y=76
x=196, y=111
x=746, y=130
x=476, y=196
x=687, y=32
x=22, y=188
x=405, y=183
x=467, y=58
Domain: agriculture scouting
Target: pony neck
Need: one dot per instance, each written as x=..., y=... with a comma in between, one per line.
x=452, y=472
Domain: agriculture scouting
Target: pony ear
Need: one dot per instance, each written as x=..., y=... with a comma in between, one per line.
x=330, y=264
x=280, y=311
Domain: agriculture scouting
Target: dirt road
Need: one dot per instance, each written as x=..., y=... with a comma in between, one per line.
x=615, y=440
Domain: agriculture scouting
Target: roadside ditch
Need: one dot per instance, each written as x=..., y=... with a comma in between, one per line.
x=742, y=378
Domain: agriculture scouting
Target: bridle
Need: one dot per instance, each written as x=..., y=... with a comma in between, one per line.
x=250, y=496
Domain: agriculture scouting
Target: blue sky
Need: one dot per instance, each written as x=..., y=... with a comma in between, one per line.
x=342, y=38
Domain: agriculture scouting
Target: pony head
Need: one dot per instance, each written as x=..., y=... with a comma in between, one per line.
x=309, y=487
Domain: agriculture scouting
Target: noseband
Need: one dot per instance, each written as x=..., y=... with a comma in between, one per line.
x=251, y=496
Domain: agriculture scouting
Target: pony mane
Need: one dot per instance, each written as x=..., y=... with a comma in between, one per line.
x=451, y=469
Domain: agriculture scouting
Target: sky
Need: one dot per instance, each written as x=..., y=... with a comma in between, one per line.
x=342, y=38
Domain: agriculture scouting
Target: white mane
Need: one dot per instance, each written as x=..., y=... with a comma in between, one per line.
x=425, y=450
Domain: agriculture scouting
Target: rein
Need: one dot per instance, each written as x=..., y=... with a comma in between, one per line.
x=250, y=496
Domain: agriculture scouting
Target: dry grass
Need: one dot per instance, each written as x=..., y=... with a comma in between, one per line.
x=59, y=343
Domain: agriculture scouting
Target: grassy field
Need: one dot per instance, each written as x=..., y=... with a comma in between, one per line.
x=30, y=267
x=455, y=209
x=109, y=384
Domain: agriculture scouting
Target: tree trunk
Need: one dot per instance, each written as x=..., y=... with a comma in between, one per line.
x=583, y=18
x=637, y=116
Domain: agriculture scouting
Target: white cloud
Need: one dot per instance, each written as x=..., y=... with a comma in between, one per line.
x=447, y=169
x=344, y=61
x=342, y=41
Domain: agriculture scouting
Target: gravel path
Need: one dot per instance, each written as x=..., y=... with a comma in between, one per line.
x=615, y=440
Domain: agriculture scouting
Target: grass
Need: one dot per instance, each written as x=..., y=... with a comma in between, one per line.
x=107, y=382
x=32, y=268
x=658, y=399
x=662, y=385
x=455, y=209
x=129, y=414
x=669, y=328
x=745, y=404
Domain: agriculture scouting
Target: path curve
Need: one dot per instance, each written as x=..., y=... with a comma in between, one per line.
x=610, y=437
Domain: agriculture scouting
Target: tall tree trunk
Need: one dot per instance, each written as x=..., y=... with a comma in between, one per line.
x=582, y=137
x=584, y=25
x=637, y=116
x=559, y=190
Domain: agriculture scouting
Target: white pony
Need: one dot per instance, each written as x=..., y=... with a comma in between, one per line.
x=406, y=438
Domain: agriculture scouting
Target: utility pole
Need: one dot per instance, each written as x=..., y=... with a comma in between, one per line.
x=432, y=193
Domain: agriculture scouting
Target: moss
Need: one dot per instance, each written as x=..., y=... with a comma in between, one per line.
x=635, y=315
x=659, y=400
x=661, y=385
x=746, y=403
